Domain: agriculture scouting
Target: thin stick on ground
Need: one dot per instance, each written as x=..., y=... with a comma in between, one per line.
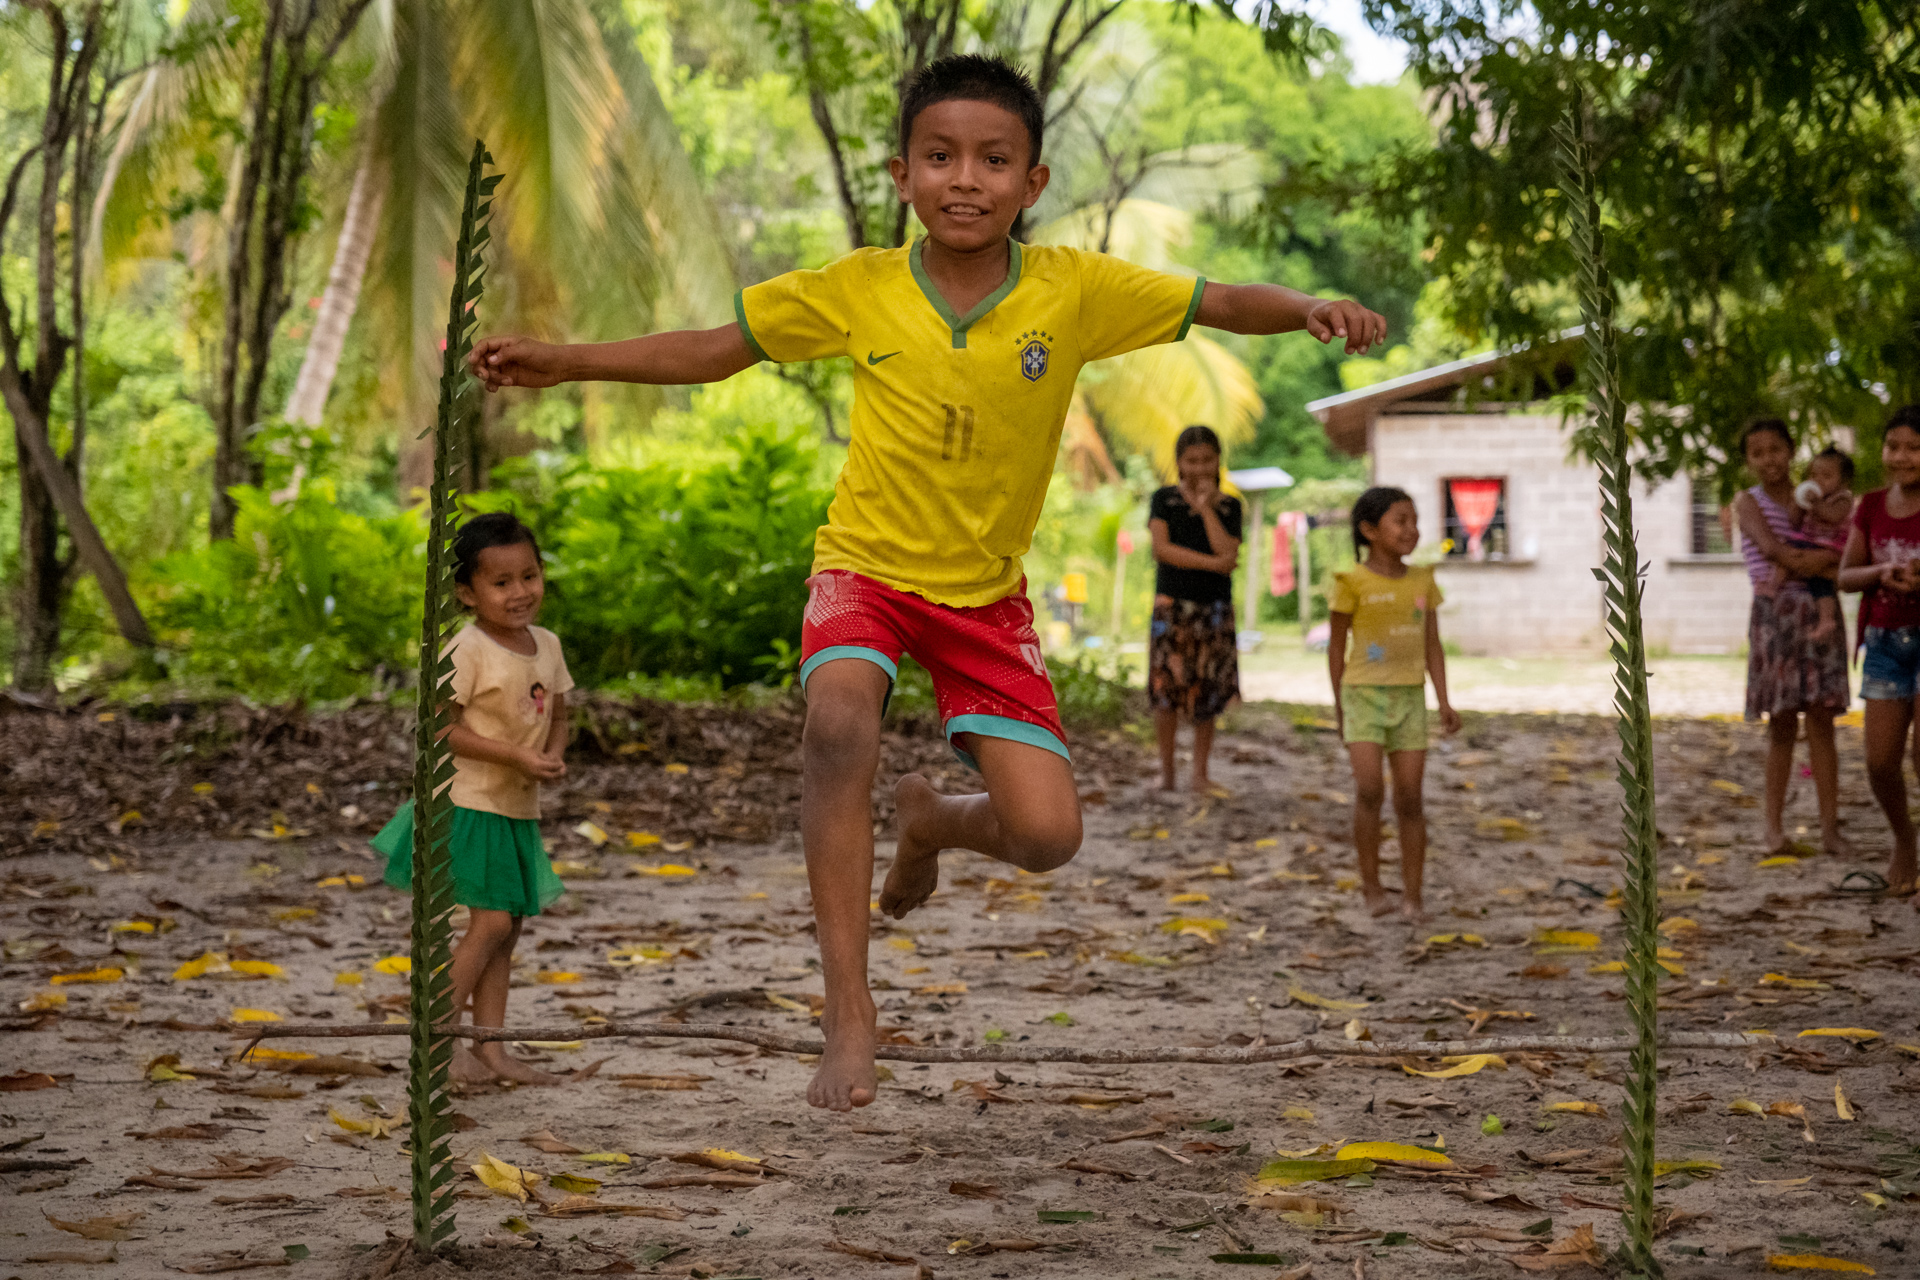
x=1250, y=1055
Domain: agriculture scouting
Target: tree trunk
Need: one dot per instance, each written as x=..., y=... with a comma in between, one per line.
x=342, y=295
x=37, y=604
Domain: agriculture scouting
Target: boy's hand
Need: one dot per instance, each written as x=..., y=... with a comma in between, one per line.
x=516, y=362
x=1449, y=719
x=539, y=766
x=1341, y=318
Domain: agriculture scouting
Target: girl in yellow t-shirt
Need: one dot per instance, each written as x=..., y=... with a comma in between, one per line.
x=1389, y=609
x=509, y=735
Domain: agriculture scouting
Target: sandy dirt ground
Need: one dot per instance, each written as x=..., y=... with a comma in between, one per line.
x=1182, y=921
x=1685, y=686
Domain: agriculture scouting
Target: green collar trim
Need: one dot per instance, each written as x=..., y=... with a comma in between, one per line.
x=960, y=324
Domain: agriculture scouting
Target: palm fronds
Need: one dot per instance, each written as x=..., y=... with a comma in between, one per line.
x=1620, y=576
x=429, y=1108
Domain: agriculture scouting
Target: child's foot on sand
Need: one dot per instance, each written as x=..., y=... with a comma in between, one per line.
x=468, y=1069
x=1901, y=874
x=1774, y=841
x=1838, y=846
x=915, y=873
x=1413, y=912
x=505, y=1066
x=1379, y=901
x=1169, y=783
x=845, y=1078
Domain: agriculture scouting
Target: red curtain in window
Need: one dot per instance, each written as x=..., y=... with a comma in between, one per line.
x=1474, y=504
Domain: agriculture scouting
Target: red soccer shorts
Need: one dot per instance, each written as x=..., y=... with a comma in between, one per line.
x=989, y=677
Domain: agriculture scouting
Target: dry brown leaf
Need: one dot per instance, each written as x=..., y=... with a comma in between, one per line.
x=587, y=1206
x=974, y=1191
x=733, y=1161
x=221, y=1262
x=265, y=1200
x=723, y=1180
x=545, y=1141
x=231, y=1165
x=1088, y=1166
x=182, y=1132
x=67, y=1255
x=113, y=1227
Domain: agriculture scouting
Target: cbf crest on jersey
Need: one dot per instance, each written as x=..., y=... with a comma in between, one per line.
x=1034, y=353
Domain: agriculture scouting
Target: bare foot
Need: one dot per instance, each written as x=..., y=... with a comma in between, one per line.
x=1168, y=782
x=1901, y=872
x=1838, y=846
x=1413, y=912
x=845, y=1078
x=1378, y=903
x=1774, y=841
x=468, y=1069
x=507, y=1067
x=915, y=873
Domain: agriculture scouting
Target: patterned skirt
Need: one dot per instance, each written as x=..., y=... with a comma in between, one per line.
x=1193, y=662
x=1787, y=670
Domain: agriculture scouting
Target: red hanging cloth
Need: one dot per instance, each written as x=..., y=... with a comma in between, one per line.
x=1474, y=504
x=1281, y=581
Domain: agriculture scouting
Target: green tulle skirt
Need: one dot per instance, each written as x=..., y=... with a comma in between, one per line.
x=499, y=863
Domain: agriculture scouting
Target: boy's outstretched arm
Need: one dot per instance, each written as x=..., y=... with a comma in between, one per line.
x=679, y=358
x=1273, y=308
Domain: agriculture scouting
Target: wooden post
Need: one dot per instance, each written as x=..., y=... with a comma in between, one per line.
x=1304, y=576
x=1252, y=547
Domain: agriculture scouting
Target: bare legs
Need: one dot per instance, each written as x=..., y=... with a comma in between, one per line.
x=1886, y=740
x=1166, y=724
x=1782, y=730
x=1410, y=819
x=482, y=972
x=1029, y=817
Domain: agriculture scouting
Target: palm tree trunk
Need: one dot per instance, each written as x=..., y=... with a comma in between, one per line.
x=341, y=296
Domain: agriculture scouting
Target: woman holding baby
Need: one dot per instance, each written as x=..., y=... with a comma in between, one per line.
x=1797, y=653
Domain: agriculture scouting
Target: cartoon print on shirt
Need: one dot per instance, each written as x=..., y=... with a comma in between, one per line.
x=538, y=695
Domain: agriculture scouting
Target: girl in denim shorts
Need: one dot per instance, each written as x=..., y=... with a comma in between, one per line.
x=1880, y=560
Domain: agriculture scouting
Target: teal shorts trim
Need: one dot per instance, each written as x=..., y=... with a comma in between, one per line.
x=877, y=658
x=1003, y=727
x=1392, y=716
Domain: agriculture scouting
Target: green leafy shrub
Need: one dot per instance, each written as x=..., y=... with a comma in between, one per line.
x=668, y=569
x=307, y=600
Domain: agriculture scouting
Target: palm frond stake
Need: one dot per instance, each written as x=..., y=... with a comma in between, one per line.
x=1621, y=578
x=429, y=1107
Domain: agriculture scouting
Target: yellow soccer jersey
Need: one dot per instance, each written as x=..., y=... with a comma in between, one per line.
x=956, y=419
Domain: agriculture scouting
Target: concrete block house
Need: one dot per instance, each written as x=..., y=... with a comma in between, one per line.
x=1496, y=478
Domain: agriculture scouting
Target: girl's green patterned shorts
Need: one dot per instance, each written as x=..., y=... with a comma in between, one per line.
x=1393, y=715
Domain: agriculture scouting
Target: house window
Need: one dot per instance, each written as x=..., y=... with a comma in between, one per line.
x=1711, y=526
x=1476, y=517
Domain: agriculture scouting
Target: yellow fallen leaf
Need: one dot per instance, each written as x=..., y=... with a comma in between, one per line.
x=1841, y=1106
x=785, y=1002
x=1266, y=842
x=593, y=832
x=901, y=944
x=1608, y=966
x=1207, y=930
x=1798, y=984
x=1572, y=939
x=941, y=989
x=200, y=966
x=394, y=964
x=287, y=915
x=258, y=968
x=106, y=973
x=669, y=869
x=348, y=979
x=1731, y=788
x=340, y=882
x=556, y=977
x=605, y=1157
x=133, y=926
x=638, y=954
x=1581, y=1108
x=1911, y=1050
x=574, y=1183
x=567, y=867
x=1875, y=1199
x=1301, y=995
x=1661, y=1168
x=1182, y=899
x=1400, y=1151
x=559, y=1046
x=203, y=788
x=1678, y=924
x=1855, y=1034
x=1784, y=1107
x=674, y=769
x=44, y=1002
x=1466, y=1066
x=372, y=1126
x=254, y=1015
x=507, y=1180
x=1745, y=1107
x=641, y=839
x=260, y=1053
x=1778, y=860
x=1302, y=1114
x=1816, y=1262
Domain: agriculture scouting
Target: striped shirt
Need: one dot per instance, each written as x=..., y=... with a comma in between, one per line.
x=1760, y=570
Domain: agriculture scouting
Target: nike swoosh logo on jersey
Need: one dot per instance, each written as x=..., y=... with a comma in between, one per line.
x=874, y=359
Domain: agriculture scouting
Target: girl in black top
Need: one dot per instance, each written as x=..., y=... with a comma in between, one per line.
x=1194, y=662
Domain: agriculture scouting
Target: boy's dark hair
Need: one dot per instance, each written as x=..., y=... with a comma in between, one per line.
x=971, y=77
x=1765, y=426
x=1908, y=416
x=1370, y=508
x=1844, y=459
x=493, y=529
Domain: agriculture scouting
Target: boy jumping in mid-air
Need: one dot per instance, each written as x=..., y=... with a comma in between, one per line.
x=965, y=347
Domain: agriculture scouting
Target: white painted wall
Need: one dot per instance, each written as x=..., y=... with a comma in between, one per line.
x=1544, y=599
